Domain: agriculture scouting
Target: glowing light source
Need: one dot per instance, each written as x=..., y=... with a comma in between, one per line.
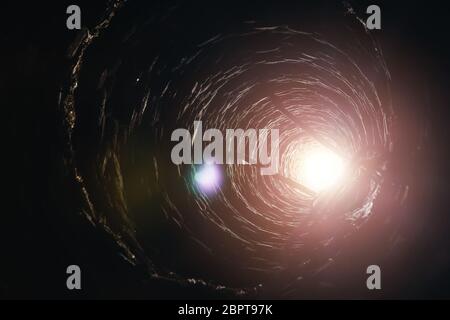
x=208, y=178
x=317, y=167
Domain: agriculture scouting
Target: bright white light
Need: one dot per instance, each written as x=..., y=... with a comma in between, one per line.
x=317, y=167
